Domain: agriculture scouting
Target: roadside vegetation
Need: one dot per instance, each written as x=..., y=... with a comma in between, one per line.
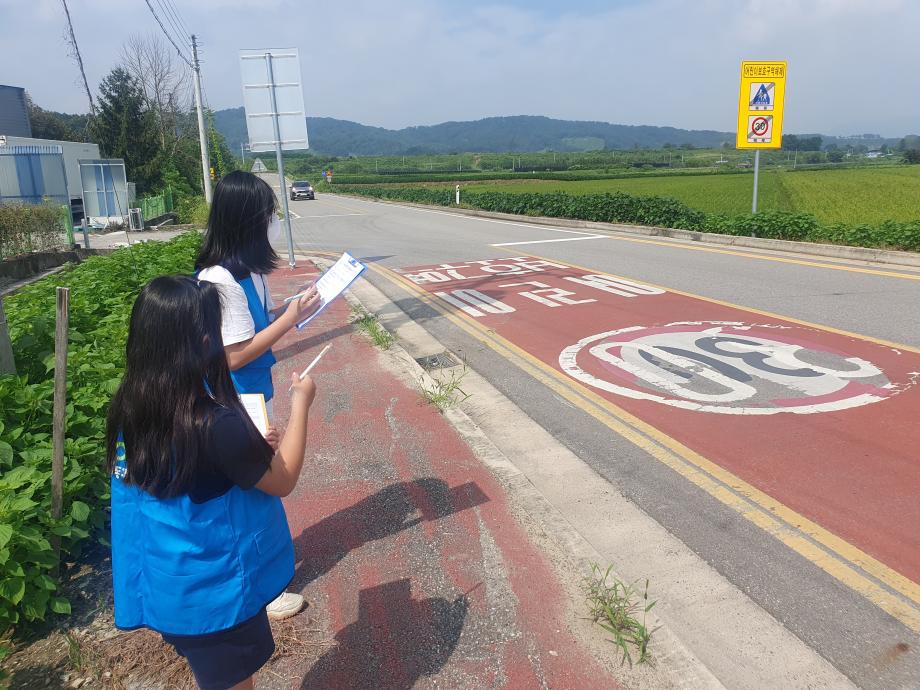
x=617, y=608
x=853, y=195
x=103, y=290
x=661, y=212
x=369, y=325
x=445, y=390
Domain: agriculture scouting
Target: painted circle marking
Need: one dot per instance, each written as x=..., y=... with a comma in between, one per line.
x=759, y=126
x=726, y=368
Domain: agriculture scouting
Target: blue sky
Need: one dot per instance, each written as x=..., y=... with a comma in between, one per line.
x=852, y=63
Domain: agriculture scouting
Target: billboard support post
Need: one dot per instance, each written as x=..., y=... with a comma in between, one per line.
x=275, y=117
x=282, y=183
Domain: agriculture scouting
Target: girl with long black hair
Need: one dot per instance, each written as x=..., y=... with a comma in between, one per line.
x=236, y=254
x=200, y=540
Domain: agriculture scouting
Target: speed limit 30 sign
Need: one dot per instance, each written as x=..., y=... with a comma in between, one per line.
x=761, y=102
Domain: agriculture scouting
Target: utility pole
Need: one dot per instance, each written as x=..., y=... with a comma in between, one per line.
x=202, y=134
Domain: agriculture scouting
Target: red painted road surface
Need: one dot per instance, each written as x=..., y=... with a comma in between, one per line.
x=825, y=423
x=416, y=570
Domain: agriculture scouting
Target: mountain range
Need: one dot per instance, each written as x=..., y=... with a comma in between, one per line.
x=523, y=133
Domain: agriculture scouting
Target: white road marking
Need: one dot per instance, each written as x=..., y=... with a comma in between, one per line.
x=560, y=239
x=333, y=215
x=531, y=226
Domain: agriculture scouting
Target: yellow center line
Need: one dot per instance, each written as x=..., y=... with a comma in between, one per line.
x=835, y=556
x=778, y=259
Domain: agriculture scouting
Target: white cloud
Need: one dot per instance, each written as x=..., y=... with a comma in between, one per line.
x=415, y=62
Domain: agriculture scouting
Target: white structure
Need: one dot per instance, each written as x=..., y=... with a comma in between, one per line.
x=73, y=153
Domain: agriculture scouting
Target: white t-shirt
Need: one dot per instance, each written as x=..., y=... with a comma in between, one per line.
x=236, y=321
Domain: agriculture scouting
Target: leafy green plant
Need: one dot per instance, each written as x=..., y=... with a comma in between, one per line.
x=445, y=391
x=615, y=606
x=27, y=228
x=103, y=290
x=659, y=212
x=368, y=324
x=193, y=210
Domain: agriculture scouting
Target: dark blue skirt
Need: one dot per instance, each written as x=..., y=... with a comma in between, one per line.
x=221, y=660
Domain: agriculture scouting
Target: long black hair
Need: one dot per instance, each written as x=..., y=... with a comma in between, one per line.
x=176, y=372
x=237, y=236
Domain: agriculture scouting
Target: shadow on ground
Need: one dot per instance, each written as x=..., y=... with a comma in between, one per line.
x=385, y=513
x=395, y=641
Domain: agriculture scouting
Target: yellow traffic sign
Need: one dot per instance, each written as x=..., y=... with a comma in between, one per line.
x=760, y=105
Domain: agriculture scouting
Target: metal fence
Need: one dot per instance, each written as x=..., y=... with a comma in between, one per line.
x=156, y=206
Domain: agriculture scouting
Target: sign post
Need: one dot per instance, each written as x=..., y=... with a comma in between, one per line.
x=761, y=103
x=275, y=116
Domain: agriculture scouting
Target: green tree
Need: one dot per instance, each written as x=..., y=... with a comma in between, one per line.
x=48, y=125
x=124, y=129
x=912, y=156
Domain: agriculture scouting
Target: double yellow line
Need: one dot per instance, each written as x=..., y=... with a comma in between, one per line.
x=886, y=588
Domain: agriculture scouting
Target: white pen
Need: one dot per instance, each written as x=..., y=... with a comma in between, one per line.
x=312, y=364
x=298, y=295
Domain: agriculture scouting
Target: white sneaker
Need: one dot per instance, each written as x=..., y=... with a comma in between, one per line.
x=285, y=606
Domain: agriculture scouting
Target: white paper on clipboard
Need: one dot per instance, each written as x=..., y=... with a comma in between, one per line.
x=254, y=404
x=334, y=282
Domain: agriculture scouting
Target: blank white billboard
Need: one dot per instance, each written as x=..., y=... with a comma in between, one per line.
x=275, y=70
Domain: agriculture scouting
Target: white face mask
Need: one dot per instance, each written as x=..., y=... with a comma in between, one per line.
x=274, y=229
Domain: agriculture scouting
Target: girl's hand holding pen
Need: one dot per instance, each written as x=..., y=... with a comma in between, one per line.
x=303, y=306
x=303, y=388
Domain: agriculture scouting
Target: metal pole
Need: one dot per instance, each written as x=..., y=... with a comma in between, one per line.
x=281, y=181
x=756, y=176
x=85, y=233
x=202, y=133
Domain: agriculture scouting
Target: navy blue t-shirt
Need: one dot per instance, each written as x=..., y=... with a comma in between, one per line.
x=231, y=456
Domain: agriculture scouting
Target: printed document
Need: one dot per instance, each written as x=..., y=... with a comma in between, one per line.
x=254, y=404
x=335, y=281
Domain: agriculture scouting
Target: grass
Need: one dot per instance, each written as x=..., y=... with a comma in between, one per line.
x=368, y=324
x=445, y=392
x=857, y=195
x=615, y=606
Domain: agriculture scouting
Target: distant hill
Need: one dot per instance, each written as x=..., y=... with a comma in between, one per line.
x=493, y=134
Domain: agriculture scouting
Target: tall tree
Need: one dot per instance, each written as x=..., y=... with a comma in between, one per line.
x=123, y=128
x=164, y=82
x=49, y=125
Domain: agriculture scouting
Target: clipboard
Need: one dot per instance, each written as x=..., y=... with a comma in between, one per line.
x=334, y=282
x=254, y=404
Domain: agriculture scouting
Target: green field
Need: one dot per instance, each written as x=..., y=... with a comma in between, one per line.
x=860, y=195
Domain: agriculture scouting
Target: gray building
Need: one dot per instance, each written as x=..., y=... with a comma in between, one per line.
x=14, y=115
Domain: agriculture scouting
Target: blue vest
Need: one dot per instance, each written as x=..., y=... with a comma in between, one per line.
x=255, y=377
x=191, y=569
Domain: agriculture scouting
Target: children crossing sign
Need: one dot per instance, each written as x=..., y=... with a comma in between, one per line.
x=760, y=105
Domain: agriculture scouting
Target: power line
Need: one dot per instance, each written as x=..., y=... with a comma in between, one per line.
x=170, y=5
x=166, y=33
x=179, y=33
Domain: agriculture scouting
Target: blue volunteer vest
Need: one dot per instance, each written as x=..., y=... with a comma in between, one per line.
x=191, y=569
x=255, y=377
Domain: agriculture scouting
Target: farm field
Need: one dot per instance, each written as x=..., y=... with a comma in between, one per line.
x=865, y=195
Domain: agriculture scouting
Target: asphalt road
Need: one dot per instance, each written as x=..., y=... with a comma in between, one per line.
x=812, y=509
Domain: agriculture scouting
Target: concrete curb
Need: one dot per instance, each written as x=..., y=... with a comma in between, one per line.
x=830, y=251
x=684, y=669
